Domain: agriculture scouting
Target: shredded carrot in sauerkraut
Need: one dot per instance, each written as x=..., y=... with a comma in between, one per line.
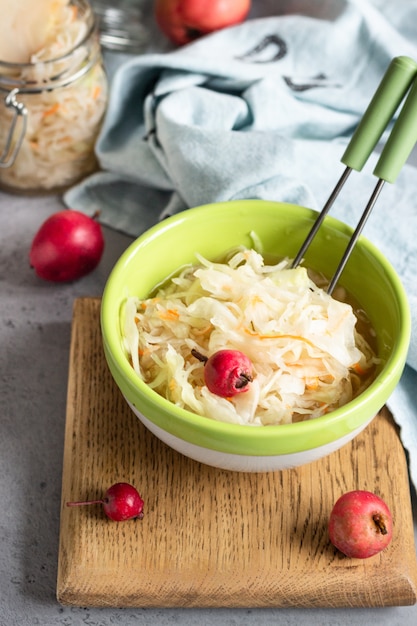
x=308, y=357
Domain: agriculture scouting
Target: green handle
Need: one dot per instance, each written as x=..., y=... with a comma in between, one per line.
x=401, y=140
x=391, y=91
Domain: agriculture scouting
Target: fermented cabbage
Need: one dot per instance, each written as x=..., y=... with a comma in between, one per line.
x=308, y=356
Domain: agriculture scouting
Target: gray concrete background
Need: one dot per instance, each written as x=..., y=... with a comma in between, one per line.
x=35, y=320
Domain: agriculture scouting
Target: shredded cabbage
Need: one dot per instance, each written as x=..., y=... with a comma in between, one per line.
x=308, y=356
x=24, y=27
x=63, y=122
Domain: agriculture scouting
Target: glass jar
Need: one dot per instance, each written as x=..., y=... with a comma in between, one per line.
x=53, y=107
x=122, y=24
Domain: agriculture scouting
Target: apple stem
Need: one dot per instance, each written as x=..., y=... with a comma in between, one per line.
x=199, y=356
x=379, y=523
x=86, y=502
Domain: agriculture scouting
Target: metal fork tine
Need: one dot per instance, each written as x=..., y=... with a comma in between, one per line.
x=355, y=235
x=321, y=216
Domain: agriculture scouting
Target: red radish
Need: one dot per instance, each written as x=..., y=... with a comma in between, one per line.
x=121, y=502
x=226, y=372
x=360, y=524
x=68, y=245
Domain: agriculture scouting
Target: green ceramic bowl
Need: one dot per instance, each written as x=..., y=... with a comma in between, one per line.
x=212, y=230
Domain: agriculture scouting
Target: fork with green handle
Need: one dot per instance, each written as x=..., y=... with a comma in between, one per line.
x=397, y=83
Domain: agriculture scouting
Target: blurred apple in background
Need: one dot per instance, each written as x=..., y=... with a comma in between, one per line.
x=183, y=21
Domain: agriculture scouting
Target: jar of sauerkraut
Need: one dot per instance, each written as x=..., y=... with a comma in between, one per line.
x=52, y=105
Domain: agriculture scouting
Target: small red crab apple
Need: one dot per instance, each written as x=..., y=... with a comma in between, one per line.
x=226, y=372
x=360, y=524
x=120, y=502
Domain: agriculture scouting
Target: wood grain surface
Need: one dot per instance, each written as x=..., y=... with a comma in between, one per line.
x=213, y=538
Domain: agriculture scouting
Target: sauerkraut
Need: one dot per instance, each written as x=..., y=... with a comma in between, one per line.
x=308, y=356
x=64, y=114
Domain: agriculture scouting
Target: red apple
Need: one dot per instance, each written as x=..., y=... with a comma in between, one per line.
x=67, y=246
x=360, y=524
x=185, y=20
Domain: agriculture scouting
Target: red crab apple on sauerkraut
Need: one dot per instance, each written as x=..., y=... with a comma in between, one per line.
x=226, y=372
x=307, y=354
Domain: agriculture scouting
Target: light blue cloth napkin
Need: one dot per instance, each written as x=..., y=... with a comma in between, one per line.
x=262, y=110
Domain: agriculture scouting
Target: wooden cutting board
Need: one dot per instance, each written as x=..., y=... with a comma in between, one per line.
x=214, y=538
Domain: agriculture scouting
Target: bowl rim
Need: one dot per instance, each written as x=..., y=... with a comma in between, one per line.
x=196, y=428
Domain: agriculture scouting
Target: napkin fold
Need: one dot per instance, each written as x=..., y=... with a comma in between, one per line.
x=262, y=110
